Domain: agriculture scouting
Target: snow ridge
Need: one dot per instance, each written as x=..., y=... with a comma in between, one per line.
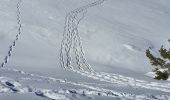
x=11, y=47
x=71, y=42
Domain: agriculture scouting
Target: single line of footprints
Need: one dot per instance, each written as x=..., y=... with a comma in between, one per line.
x=11, y=47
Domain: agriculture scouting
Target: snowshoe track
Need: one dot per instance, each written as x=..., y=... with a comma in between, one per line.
x=71, y=42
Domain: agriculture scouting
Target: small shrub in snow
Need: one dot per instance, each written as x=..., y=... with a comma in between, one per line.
x=161, y=75
x=162, y=62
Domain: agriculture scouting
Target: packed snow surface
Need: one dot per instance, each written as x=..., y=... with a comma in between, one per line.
x=81, y=49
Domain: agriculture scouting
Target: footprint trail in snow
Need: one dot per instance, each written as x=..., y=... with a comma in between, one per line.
x=71, y=43
x=9, y=85
x=12, y=46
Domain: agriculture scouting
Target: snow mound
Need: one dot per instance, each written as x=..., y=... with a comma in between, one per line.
x=9, y=85
x=50, y=94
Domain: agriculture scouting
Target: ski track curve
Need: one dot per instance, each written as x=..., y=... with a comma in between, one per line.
x=71, y=42
x=11, y=47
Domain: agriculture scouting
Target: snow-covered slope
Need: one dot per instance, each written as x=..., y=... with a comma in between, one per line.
x=105, y=38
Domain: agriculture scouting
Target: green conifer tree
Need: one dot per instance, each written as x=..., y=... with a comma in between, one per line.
x=162, y=62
